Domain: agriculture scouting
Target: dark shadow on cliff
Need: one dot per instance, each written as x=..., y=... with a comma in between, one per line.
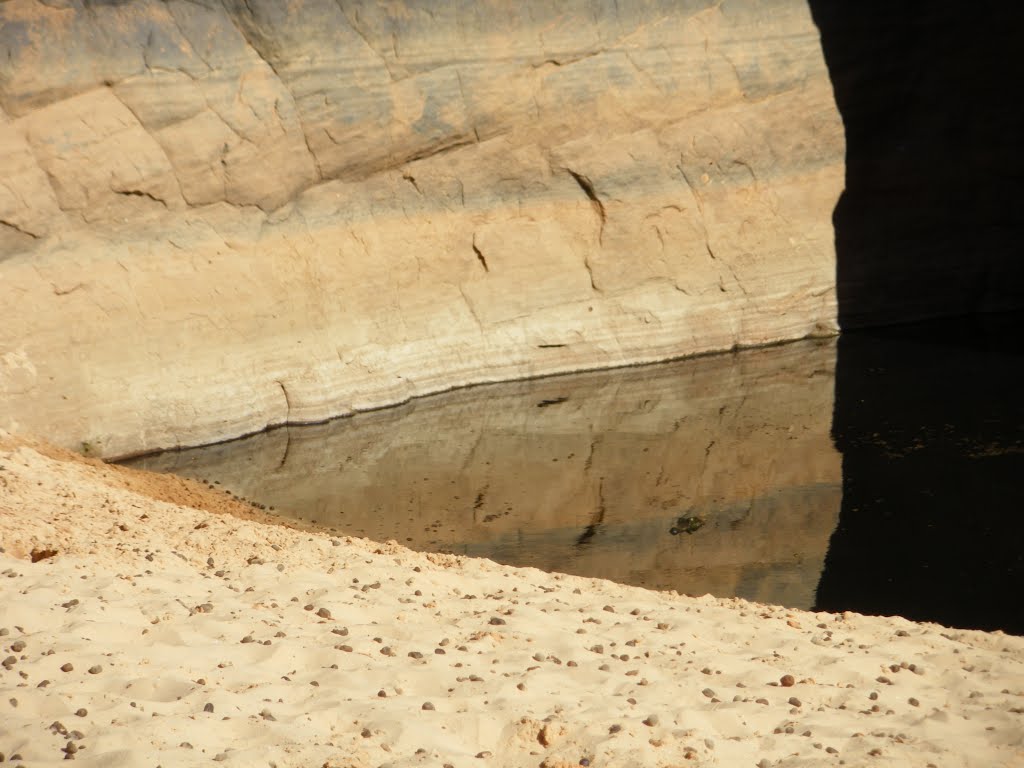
x=930, y=423
x=930, y=224
x=931, y=220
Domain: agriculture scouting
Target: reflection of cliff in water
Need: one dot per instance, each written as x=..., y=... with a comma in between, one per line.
x=584, y=474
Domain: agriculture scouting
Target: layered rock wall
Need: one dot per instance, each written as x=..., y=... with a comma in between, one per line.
x=216, y=217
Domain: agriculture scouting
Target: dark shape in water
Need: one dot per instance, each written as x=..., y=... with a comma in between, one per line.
x=551, y=401
x=685, y=524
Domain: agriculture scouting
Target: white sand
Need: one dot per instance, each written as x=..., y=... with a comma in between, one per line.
x=366, y=654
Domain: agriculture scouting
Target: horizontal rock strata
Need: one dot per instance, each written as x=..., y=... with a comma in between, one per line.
x=219, y=217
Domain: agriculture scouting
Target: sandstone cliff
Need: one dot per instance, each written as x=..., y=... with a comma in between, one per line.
x=216, y=217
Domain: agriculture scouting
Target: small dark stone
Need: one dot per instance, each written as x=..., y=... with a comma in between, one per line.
x=787, y=681
x=67, y=667
x=496, y=621
x=795, y=702
x=82, y=712
x=95, y=669
x=427, y=705
x=208, y=708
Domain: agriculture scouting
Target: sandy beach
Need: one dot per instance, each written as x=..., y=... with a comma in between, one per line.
x=148, y=620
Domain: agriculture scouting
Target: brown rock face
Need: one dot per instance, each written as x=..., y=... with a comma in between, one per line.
x=219, y=217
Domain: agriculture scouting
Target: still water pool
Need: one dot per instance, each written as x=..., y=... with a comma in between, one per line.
x=717, y=474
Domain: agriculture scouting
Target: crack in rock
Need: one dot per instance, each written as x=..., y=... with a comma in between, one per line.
x=287, y=401
x=480, y=255
x=139, y=193
x=588, y=189
x=21, y=230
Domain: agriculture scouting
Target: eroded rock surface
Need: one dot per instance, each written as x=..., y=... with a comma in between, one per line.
x=218, y=217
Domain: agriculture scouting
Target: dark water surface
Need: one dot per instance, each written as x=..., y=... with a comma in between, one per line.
x=717, y=474
x=930, y=421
